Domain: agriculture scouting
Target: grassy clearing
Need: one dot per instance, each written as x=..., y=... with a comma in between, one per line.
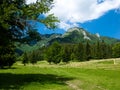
x=92, y=75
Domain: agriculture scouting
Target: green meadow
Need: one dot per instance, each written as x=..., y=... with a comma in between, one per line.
x=90, y=75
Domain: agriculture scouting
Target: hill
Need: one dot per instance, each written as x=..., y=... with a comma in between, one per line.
x=72, y=36
x=77, y=35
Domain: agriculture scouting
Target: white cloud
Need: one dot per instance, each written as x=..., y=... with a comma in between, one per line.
x=30, y=1
x=80, y=11
x=66, y=26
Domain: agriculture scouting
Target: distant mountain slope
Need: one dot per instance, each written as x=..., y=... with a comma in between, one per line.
x=77, y=35
x=43, y=42
x=73, y=35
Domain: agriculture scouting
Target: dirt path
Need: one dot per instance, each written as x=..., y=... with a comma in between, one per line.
x=73, y=85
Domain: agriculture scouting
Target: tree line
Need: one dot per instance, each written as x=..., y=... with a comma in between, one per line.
x=57, y=52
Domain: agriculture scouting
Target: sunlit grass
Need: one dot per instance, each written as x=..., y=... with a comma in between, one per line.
x=91, y=75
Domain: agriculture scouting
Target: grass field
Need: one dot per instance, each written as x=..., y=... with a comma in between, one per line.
x=91, y=75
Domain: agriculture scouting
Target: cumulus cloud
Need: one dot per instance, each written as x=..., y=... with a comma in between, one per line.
x=71, y=12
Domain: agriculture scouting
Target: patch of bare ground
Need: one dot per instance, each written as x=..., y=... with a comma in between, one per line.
x=100, y=88
x=74, y=85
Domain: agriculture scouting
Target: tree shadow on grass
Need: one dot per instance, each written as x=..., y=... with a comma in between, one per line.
x=10, y=81
x=8, y=68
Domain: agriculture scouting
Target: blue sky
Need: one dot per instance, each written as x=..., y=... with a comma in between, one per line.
x=95, y=16
x=107, y=25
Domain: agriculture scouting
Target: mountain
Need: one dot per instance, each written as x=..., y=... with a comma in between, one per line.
x=77, y=35
x=73, y=35
x=43, y=42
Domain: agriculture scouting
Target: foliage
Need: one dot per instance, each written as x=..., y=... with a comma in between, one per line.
x=25, y=59
x=79, y=52
x=88, y=51
x=116, y=50
x=7, y=56
x=75, y=52
x=33, y=58
x=72, y=57
x=53, y=53
x=16, y=23
x=16, y=17
x=66, y=53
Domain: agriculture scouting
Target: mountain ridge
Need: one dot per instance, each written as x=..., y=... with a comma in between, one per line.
x=77, y=35
x=73, y=35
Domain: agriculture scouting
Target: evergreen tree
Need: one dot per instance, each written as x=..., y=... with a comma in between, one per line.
x=72, y=57
x=53, y=53
x=66, y=53
x=33, y=58
x=56, y=49
x=79, y=52
x=87, y=51
x=93, y=51
x=25, y=59
x=109, y=51
x=116, y=50
x=98, y=51
x=48, y=55
x=40, y=53
x=106, y=50
x=101, y=50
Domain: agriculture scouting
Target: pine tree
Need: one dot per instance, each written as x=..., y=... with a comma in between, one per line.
x=79, y=52
x=25, y=59
x=87, y=51
x=34, y=58
x=109, y=51
x=48, y=55
x=53, y=53
x=93, y=51
x=116, y=50
x=72, y=57
x=98, y=51
x=66, y=53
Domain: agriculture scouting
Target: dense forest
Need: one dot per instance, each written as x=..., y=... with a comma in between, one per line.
x=56, y=52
